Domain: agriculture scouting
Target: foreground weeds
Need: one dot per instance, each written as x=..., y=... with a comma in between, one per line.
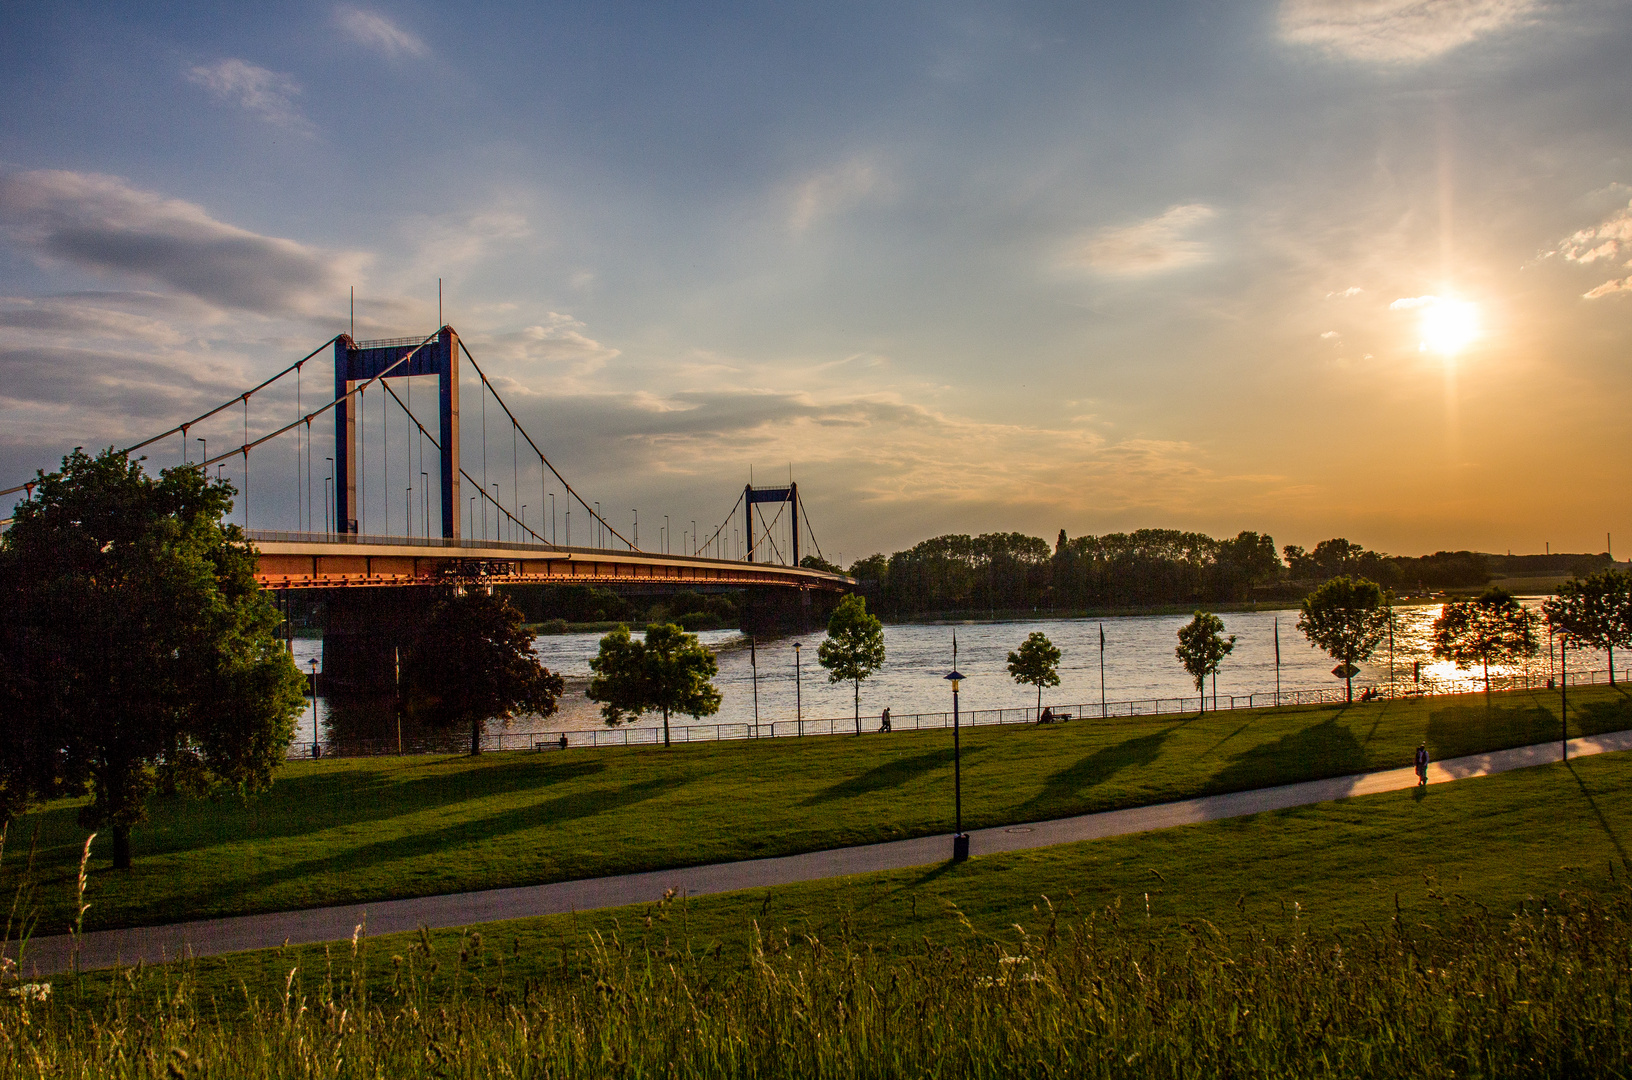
x=1544, y=993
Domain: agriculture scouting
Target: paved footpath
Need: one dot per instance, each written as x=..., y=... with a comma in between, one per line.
x=210, y=937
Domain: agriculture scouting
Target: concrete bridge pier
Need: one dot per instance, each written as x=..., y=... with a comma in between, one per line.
x=787, y=611
x=364, y=631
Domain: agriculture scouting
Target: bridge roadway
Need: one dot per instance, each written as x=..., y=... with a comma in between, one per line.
x=329, y=561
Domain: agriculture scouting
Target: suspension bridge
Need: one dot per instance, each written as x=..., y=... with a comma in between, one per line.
x=366, y=521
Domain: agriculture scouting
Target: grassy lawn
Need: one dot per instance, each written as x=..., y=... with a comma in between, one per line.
x=1434, y=860
x=363, y=829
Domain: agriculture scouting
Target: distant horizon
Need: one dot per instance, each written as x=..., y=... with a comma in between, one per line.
x=1300, y=266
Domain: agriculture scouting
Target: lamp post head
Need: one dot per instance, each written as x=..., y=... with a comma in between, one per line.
x=954, y=677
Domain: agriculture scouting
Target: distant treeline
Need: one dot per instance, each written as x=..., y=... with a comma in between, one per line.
x=1154, y=567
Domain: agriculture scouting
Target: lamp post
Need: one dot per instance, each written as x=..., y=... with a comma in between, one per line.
x=315, y=750
x=665, y=534
x=425, y=499
x=798, y=698
x=694, y=538
x=328, y=500
x=554, y=536
x=204, y=445
x=960, y=839
x=635, y=545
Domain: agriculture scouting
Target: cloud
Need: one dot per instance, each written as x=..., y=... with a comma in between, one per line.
x=1396, y=31
x=267, y=94
x=104, y=225
x=559, y=343
x=1608, y=240
x=1407, y=303
x=1352, y=290
x=1155, y=246
x=375, y=31
x=1607, y=288
x=831, y=192
x=1330, y=335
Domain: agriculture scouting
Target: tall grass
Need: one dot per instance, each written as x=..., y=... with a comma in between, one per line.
x=1547, y=992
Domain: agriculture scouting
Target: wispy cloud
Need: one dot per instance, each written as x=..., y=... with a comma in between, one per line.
x=1608, y=288
x=831, y=192
x=268, y=94
x=1162, y=243
x=374, y=31
x=103, y=225
x=1396, y=31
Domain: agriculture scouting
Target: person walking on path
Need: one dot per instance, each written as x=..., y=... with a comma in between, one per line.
x=884, y=720
x=1422, y=764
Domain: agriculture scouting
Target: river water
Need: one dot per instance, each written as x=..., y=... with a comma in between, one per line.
x=1139, y=665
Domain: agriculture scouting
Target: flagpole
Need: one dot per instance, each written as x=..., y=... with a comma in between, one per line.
x=1277, y=659
x=1102, y=671
x=753, y=662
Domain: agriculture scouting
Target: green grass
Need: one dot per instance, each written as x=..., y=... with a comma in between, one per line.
x=1478, y=928
x=357, y=830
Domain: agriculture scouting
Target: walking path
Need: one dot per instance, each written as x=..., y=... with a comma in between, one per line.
x=211, y=937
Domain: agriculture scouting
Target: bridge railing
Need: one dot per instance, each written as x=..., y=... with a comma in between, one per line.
x=444, y=543
x=590, y=738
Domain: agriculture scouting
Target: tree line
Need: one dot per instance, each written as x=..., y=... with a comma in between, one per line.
x=1155, y=567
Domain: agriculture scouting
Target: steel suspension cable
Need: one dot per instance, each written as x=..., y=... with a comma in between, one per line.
x=569, y=488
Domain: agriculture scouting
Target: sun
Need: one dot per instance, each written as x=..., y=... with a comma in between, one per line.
x=1449, y=326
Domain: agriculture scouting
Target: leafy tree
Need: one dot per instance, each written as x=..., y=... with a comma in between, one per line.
x=1202, y=648
x=669, y=671
x=816, y=562
x=1596, y=611
x=854, y=648
x=1347, y=617
x=137, y=649
x=1036, y=663
x=872, y=568
x=1491, y=626
x=474, y=662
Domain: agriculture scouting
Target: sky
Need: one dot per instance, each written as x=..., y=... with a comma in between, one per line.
x=1311, y=268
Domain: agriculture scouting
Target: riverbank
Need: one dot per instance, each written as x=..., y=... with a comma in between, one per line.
x=357, y=830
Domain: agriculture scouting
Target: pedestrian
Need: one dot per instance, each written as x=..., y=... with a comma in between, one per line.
x=563, y=740
x=1422, y=764
x=884, y=720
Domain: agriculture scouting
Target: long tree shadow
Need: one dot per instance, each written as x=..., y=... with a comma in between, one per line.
x=354, y=862
x=295, y=806
x=1457, y=730
x=1312, y=753
x=1064, y=788
x=891, y=774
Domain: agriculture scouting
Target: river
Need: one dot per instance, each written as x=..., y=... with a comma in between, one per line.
x=1139, y=665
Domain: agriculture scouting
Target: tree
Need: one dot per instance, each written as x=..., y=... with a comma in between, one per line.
x=1596, y=611
x=1036, y=663
x=1202, y=648
x=669, y=671
x=1491, y=626
x=816, y=562
x=137, y=649
x=1347, y=617
x=854, y=648
x=473, y=662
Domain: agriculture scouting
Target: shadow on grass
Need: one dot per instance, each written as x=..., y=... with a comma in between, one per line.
x=1065, y=787
x=1462, y=729
x=353, y=863
x=294, y=805
x=1603, y=822
x=1315, y=752
x=891, y=774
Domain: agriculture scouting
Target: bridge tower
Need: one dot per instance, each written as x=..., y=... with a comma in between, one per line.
x=358, y=361
x=752, y=495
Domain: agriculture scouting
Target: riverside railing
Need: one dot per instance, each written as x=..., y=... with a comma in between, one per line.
x=591, y=738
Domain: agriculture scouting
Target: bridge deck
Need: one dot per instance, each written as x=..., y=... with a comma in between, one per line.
x=308, y=561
